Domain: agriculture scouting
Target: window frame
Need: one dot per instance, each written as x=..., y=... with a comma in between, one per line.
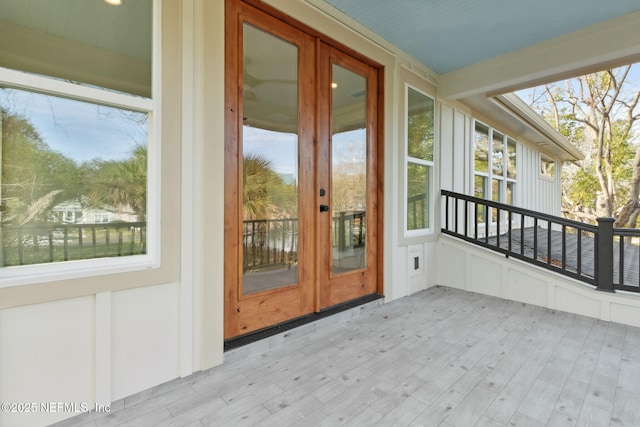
x=421, y=233
x=503, y=181
x=86, y=268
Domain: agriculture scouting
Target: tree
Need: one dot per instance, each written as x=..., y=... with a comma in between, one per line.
x=119, y=183
x=34, y=177
x=597, y=112
x=265, y=194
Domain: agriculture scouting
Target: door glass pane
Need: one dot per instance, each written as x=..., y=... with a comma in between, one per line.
x=348, y=170
x=270, y=161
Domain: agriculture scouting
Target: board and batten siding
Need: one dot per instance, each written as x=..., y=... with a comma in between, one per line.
x=533, y=190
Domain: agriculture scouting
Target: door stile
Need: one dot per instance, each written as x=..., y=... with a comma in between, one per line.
x=233, y=176
x=323, y=174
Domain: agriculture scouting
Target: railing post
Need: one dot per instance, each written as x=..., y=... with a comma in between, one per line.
x=604, y=255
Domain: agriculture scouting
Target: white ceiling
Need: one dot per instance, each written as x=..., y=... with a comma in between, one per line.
x=447, y=35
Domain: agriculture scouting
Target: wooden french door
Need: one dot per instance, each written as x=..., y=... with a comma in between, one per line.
x=347, y=167
x=301, y=173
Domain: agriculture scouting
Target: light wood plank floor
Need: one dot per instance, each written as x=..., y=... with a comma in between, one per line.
x=441, y=357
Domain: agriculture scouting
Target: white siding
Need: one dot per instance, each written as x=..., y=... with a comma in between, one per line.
x=476, y=269
x=86, y=350
x=455, y=145
x=47, y=354
x=535, y=191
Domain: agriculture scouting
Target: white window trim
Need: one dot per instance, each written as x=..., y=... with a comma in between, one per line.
x=429, y=231
x=489, y=174
x=47, y=272
x=504, y=181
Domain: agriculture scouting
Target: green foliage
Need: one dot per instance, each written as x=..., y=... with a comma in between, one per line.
x=32, y=172
x=35, y=178
x=596, y=112
x=420, y=126
x=420, y=136
x=417, y=196
x=581, y=189
x=265, y=194
x=120, y=183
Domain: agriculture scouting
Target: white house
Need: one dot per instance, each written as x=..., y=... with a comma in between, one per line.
x=329, y=92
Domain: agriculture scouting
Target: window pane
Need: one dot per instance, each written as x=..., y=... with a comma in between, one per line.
x=547, y=167
x=348, y=170
x=481, y=148
x=497, y=154
x=417, y=196
x=511, y=189
x=84, y=41
x=420, y=125
x=480, y=191
x=511, y=159
x=68, y=166
x=270, y=161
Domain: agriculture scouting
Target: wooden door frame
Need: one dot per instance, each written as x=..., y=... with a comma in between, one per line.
x=233, y=174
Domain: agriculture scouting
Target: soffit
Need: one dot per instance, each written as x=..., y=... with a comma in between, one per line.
x=449, y=35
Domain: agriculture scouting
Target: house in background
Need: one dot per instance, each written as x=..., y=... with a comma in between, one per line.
x=361, y=122
x=75, y=212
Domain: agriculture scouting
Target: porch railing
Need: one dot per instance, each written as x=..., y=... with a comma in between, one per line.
x=46, y=243
x=274, y=242
x=602, y=256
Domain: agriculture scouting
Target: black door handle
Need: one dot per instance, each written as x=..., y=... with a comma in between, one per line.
x=324, y=208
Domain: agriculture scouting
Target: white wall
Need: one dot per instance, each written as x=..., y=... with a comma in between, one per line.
x=533, y=191
x=47, y=354
x=475, y=269
x=85, y=350
x=537, y=192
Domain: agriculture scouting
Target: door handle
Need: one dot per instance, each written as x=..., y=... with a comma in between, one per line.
x=324, y=208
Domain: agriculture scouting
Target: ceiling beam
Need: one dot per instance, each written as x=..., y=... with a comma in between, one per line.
x=609, y=44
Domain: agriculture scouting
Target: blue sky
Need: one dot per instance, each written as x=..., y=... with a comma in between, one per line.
x=281, y=149
x=79, y=130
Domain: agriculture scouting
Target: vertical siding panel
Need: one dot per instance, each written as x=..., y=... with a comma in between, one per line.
x=460, y=165
x=446, y=148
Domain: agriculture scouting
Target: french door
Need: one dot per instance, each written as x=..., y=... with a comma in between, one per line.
x=301, y=172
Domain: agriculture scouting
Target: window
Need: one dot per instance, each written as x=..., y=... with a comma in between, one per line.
x=419, y=160
x=494, y=166
x=76, y=113
x=547, y=167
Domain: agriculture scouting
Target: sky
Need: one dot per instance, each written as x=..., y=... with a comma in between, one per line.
x=632, y=85
x=281, y=148
x=79, y=130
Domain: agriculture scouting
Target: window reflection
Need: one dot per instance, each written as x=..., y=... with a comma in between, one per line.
x=270, y=161
x=66, y=163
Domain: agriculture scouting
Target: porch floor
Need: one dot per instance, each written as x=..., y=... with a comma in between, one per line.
x=439, y=357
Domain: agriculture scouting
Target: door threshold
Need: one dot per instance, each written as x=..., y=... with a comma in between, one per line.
x=251, y=337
